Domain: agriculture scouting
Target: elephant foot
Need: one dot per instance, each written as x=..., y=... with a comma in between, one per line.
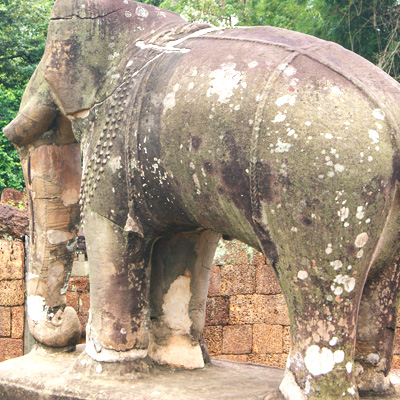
x=87, y=366
x=275, y=395
x=98, y=352
x=61, y=331
x=372, y=380
x=289, y=389
x=178, y=351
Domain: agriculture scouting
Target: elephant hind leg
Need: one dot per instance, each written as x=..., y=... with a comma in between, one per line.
x=179, y=284
x=378, y=311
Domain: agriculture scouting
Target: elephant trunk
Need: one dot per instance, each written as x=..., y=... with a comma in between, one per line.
x=34, y=119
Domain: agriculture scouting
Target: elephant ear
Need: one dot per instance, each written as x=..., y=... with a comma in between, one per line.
x=76, y=55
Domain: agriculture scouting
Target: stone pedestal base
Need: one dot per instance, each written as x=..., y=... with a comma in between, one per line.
x=74, y=376
x=59, y=376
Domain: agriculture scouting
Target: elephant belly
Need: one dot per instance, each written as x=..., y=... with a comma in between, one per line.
x=261, y=135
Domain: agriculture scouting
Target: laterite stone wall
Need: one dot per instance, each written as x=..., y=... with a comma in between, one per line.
x=12, y=298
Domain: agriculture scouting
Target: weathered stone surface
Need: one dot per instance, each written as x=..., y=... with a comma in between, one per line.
x=266, y=280
x=267, y=339
x=5, y=321
x=11, y=197
x=13, y=221
x=217, y=311
x=273, y=360
x=11, y=348
x=12, y=259
x=12, y=293
x=79, y=284
x=234, y=253
x=251, y=309
x=213, y=336
x=286, y=339
x=72, y=300
x=214, y=288
x=25, y=379
x=237, y=279
x=17, y=322
x=237, y=339
x=242, y=358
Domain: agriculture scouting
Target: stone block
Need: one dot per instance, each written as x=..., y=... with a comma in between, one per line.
x=396, y=348
x=214, y=288
x=5, y=321
x=13, y=221
x=12, y=259
x=267, y=338
x=80, y=268
x=217, y=311
x=213, y=338
x=11, y=348
x=72, y=300
x=257, y=308
x=17, y=322
x=79, y=284
x=286, y=339
x=396, y=362
x=272, y=360
x=267, y=282
x=84, y=303
x=234, y=252
x=83, y=319
x=238, y=279
x=11, y=197
x=12, y=293
x=243, y=358
x=237, y=339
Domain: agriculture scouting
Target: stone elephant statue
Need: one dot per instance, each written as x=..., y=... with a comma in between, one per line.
x=190, y=132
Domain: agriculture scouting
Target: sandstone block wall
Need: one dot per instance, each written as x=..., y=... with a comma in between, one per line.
x=12, y=298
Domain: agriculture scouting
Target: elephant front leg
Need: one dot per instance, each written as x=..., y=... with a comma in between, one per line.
x=52, y=175
x=119, y=282
x=179, y=285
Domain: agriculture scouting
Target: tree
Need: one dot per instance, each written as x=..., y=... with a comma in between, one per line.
x=23, y=28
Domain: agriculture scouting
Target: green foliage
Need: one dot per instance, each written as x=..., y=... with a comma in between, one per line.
x=23, y=28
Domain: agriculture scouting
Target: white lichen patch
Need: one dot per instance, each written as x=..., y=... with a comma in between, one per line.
x=379, y=114
x=343, y=213
x=280, y=117
x=302, y=275
x=334, y=341
x=288, y=70
x=361, y=240
x=338, y=168
x=336, y=90
x=176, y=306
x=252, y=64
x=349, y=283
x=374, y=136
x=360, y=253
x=169, y=101
x=328, y=249
x=337, y=264
x=141, y=12
x=282, y=147
x=360, y=213
x=286, y=99
x=37, y=309
x=224, y=81
x=319, y=361
x=338, y=356
x=349, y=367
